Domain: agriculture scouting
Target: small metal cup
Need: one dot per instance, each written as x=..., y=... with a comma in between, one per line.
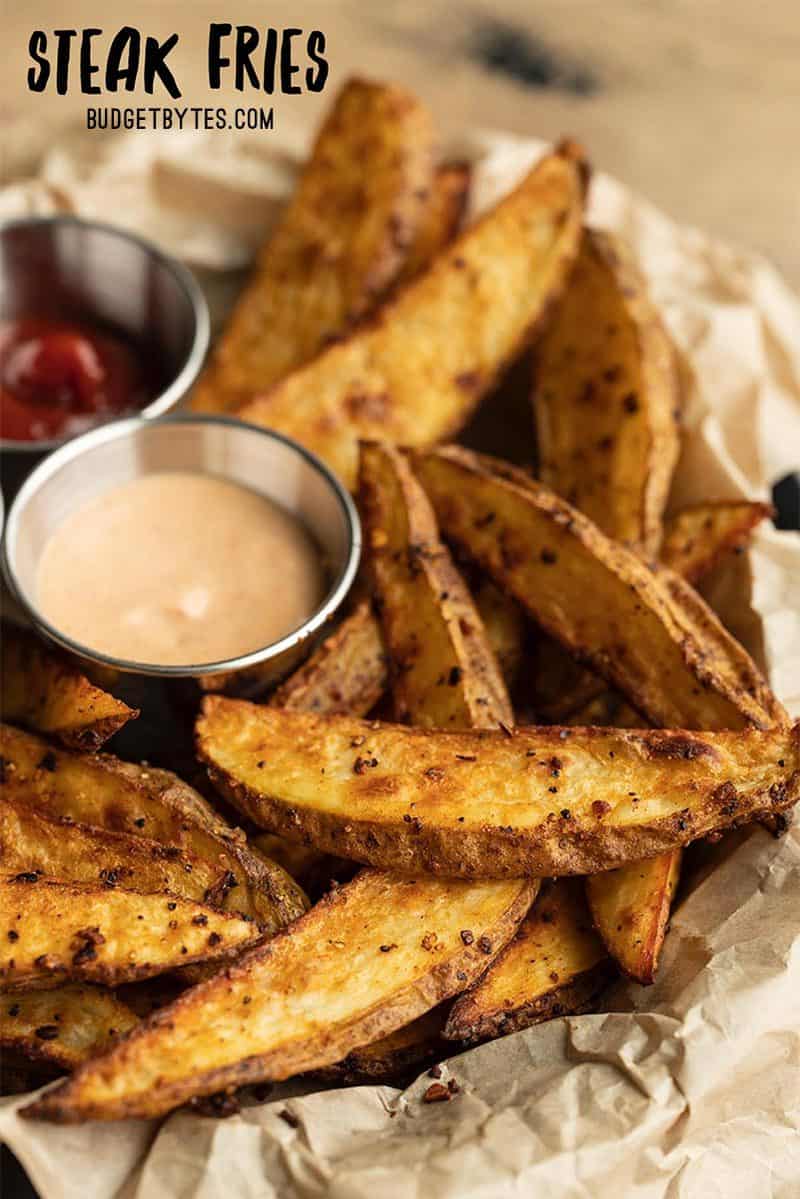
x=65, y=268
x=265, y=461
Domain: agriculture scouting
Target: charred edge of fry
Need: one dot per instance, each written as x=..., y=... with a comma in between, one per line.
x=574, y=998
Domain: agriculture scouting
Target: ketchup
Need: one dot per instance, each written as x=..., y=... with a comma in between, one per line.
x=58, y=378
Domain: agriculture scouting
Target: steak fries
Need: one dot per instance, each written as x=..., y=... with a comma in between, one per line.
x=416, y=371
x=485, y=804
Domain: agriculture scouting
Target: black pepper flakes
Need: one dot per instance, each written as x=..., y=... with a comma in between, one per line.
x=467, y=936
x=484, y=944
x=46, y=1032
x=48, y=762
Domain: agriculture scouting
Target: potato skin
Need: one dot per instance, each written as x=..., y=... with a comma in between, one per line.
x=607, y=398
x=484, y=804
x=341, y=244
x=406, y=938
x=41, y=689
x=415, y=371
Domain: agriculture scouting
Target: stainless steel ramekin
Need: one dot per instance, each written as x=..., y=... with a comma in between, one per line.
x=67, y=268
x=265, y=461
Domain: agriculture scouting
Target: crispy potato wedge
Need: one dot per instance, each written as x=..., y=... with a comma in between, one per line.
x=44, y=691
x=695, y=541
x=483, y=804
x=415, y=372
x=698, y=537
x=385, y=1060
x=100, y=790
x=52, y=931
x=65, y=1026
x=645, y=632
x=445, y=674
x=556, y=965
x=630, y=908
x=347, y=674
x=607, y=398
x=342, y=242
x=79, y=853
x=369, y=958
x=441, y=221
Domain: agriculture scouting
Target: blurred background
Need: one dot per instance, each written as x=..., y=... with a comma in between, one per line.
x=693, y=102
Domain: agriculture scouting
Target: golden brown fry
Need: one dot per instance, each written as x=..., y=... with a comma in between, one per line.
x=407, y=1048
x=79, y=853
x=416, y=371
x=441, y=220
x=65, y=1026
x=346, y=674
x=369, y=958
x=606, y=397
x=41, y=689
x=100, y=790
x=643, y=630
x=51, y=931
x=340, y=245
x=697, y=537
x=630, y=908
x=556, y=965
x=505, y=627
x=445, y=674
x=695, y=541
x=543, y=802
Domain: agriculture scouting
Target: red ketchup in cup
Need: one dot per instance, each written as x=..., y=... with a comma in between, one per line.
x=59, y=378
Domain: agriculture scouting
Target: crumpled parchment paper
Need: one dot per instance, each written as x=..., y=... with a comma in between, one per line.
x=689, y=1088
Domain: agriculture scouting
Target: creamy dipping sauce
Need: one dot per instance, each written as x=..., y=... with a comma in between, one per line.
x=179, y=569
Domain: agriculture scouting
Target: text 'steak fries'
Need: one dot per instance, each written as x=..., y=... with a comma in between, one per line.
x=545, y=801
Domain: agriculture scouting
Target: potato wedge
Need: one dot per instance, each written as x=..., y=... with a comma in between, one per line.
x=441, y=221
x=696, y=540
x=484, y=804
x=100, y=790
x=607, y=398
x=369, y=958
x=347, y=674
x=387, y=1059
x=644, y=631
x=630, y=908
x=65, y=1026
x=79, y=853
x=341, y=243
x=445, y=674
x=41, y=689
x=51, y=931
x=698, y=537
x=556, y=965
x=416, y=371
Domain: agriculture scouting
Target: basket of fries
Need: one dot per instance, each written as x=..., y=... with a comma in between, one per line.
x=407, y=924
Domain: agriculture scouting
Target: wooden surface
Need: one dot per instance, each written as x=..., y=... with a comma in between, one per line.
x=694, y=102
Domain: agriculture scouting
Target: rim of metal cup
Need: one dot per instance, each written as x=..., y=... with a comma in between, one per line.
x=180, y=385
x=86, y=442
